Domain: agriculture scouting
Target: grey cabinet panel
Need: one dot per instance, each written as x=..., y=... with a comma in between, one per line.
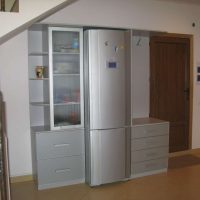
x=57, y=109
x=149, y=146
x=149, y=166
x=149, y=142
x=150, y=130
x=59, y=144
x=58, y=157
x=149, y=154
x=60, y=170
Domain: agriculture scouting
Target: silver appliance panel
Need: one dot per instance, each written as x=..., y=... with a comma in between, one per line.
x=107, y=111
x=107, y=151
x=107, y=79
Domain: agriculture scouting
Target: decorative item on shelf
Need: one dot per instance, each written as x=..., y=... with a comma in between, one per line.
x=45, y=72
x=67, y=48
x=66, y=99
x=75, y=44
x=39, y=71
x=77, y=96
x=73, y=118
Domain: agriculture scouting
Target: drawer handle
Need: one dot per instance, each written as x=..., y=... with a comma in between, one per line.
x=61, y=145
x=62, y=170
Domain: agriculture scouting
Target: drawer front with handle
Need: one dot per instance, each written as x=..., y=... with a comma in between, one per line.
x=150, y=142
x=59, y=144
x=60, y=170
x=149, y=154
x=150, y=130
x=149, y=166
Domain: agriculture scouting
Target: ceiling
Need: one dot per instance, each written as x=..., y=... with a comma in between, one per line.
x=197, y=2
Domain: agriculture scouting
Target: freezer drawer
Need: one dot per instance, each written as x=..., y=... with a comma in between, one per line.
x=58, y=170
x=149, y=154
x=59, y=144
x=149, y=166
x=150, y=130
x=150, y=142
x=108, y=156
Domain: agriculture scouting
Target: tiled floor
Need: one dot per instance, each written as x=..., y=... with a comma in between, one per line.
x=181, y=182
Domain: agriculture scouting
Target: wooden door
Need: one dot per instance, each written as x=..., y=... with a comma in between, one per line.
x=169, y=87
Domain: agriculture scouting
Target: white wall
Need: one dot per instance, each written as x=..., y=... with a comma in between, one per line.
x=29, y=11
x=144, y=15
x=14, y=84
x=138, y=14
x=140, y=76
x=14, y=80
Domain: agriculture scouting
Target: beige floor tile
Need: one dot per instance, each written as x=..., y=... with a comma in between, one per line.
x=181, y=182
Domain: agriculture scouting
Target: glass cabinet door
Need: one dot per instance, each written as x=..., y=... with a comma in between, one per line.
x=66, y=77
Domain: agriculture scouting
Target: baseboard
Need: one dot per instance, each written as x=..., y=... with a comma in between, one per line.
x=60, y=184
x=180, y=153
x=148, y=173
x=18, y=179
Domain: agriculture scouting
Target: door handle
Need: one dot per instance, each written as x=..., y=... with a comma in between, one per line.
x=187, y=93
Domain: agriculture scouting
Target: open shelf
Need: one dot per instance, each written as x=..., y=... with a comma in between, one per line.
x=70, y=52
x=39, y=103
x=38, y=79
x=65, y=74
x=65, y=104
x=38, y=54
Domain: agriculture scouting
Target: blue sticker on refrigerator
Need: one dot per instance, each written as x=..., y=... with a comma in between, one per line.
x=111, y=64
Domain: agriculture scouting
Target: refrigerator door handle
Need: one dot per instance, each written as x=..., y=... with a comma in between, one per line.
x=111, y=128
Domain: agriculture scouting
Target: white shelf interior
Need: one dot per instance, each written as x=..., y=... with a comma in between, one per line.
x=38, y=87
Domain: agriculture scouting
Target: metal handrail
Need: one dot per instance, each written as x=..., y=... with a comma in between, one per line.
x=4, y=175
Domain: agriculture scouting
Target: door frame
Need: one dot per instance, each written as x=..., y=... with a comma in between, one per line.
x=191, y=77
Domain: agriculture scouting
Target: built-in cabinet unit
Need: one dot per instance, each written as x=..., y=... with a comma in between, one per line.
x=150, y=137
x=57, y=113
x=149, y=146
x=56, y=104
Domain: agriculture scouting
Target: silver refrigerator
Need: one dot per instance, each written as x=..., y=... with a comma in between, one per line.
x=107, y=105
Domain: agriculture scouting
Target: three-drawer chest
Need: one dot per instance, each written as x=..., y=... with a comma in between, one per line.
x=149, y=146
x=58, y=157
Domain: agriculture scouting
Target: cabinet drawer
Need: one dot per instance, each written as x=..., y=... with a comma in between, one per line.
x=149, y=166
x=149, y=154
x=144, y=143
x=150, y=130
x=59, y=170
x=59, y=144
